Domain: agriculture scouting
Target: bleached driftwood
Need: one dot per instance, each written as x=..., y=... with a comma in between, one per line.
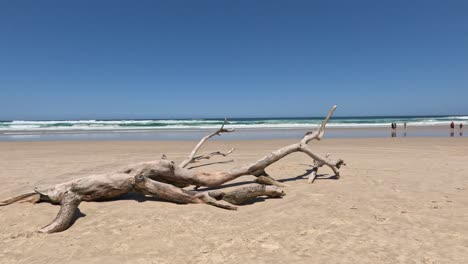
x=192, y=158
x=318, y=164
x=163, y=179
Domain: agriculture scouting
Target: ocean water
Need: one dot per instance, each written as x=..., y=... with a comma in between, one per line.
x=237, y=123
x=246, y=128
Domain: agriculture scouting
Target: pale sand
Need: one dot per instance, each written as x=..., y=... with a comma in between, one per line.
x=398, y=201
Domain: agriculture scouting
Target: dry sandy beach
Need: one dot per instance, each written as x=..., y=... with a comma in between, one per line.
x=400, y=200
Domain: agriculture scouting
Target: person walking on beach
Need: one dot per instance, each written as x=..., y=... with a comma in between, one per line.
x=461, y=129
x=404, y=126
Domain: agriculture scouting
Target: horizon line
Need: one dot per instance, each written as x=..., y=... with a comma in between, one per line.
x=237, y=118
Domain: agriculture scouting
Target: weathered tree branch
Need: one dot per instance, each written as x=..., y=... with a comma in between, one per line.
x=268, y=180
x=68, y=208
x=216, y=153
x=316, y=166
x=31, y=197
x=242, y=195
x=166, y=172
x=191, y=158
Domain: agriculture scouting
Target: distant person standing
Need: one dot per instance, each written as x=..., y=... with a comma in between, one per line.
x=404, y=125
x=461, y=129
x=452, y=127
x=393, y=129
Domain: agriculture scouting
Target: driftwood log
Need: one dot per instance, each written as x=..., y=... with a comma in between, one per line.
x=166, y=180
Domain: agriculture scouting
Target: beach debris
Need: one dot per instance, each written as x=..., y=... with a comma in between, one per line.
x=268, y=180
x=192, y=158
x=166, y=180
x=320, y=163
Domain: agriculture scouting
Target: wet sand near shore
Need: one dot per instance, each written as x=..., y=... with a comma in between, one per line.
x=241, y=134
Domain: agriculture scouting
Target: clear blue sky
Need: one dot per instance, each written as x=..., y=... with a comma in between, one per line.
x=166, y=59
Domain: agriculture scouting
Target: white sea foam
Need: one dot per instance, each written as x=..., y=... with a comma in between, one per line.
x=109, y=125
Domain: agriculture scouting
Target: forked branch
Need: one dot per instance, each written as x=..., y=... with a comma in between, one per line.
x=215, y=179
x=216, y=153
x=192, y=158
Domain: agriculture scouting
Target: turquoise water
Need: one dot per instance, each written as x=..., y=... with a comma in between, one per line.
x=238, y=123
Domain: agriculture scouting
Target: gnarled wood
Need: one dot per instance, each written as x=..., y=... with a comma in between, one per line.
x=191, y=158
x=68, y=208
x=167, y=172
x=32, y=197
x=268, y=180
x=212, y=154
x=319, y=163
x=242, y=195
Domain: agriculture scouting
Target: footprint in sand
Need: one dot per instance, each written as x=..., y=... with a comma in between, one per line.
x=379, y=218
x=270, y=246
x=25, y=234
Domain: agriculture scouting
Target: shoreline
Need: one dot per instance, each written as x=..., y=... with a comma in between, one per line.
x=239, y=134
